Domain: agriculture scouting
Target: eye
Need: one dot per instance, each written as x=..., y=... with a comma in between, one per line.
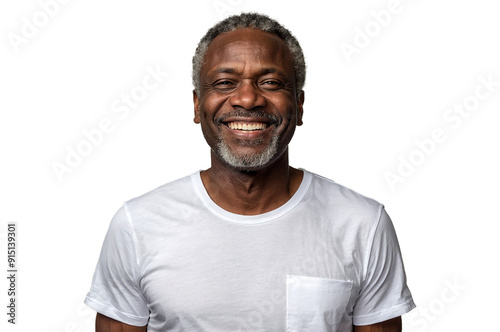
x=224, y=84
x=272, y=84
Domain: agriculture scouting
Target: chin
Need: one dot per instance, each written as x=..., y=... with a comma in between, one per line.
x=248, y=162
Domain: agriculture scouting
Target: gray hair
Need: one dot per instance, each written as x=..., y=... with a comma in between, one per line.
x=256, y=21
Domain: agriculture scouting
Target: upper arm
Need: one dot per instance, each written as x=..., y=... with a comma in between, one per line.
x=383, y=289
x=391, y=325
x=116, y=290
x=106, y=324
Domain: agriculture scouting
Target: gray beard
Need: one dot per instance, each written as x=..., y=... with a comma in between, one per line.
x=248, y=161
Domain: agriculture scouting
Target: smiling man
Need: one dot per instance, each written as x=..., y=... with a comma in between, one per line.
x=250, y=244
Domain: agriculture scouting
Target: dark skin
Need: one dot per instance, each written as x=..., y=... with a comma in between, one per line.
x=106, y=324
x=249, y=70
x=391, y=325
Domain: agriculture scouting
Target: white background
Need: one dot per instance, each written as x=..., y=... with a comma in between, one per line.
x=361, y=118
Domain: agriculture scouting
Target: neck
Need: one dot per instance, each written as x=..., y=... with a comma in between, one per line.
x=251, y=192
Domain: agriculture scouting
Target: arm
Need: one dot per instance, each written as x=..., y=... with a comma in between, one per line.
x=115, y=289
x=384, y=293
x=391, y=325
x=106, y=324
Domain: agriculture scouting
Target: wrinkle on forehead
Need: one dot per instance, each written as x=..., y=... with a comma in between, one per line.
x=239, y=51
x=239, y=48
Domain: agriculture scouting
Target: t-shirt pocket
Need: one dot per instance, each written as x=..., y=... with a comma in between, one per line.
x=315, y=304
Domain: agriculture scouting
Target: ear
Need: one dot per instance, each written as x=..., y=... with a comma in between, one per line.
x=196, y=102
x=300, y=107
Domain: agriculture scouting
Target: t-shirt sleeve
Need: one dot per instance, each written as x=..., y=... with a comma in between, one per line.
x=384, y=293
x=115, y=291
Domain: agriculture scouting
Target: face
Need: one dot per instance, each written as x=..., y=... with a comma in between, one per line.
x=248, y=105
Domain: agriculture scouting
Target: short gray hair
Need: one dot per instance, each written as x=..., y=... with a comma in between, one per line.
x=256, y=21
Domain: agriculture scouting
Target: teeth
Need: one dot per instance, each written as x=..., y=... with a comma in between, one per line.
x=246, y=126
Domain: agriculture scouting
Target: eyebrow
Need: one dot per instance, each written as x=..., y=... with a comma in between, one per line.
x=263, y=71
x=224, y=70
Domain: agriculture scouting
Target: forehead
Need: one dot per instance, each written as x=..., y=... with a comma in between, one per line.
x=244, y=48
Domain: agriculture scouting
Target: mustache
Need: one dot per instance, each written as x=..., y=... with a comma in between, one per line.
x=243, y=113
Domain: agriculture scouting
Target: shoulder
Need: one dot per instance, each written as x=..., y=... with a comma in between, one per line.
x=173, y=198
x=171, y=191
x=350, y=214
x=340, y=197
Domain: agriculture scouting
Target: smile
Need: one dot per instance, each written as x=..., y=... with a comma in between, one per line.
x=246, y=126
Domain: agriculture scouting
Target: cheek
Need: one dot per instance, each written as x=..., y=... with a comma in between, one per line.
x=285, y=105
x=212, y=104
x=289, y=113
x=210, y=107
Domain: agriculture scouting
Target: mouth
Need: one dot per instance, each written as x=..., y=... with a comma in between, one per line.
x=250, y=123
x=246, y=125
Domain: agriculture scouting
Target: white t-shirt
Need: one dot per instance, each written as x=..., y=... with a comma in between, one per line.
x=325, y=260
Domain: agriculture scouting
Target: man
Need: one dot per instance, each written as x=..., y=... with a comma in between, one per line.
x=250, y=244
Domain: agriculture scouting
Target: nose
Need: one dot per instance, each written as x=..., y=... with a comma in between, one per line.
x=247, y=96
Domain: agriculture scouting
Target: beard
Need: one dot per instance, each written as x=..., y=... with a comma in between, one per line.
x=248, y=161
